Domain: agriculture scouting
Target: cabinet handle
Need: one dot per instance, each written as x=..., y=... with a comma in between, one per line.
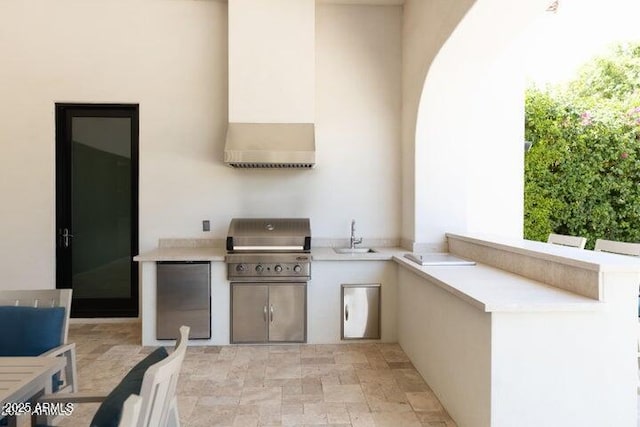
x=346, y=312
x=264, y=312
x=272, y=312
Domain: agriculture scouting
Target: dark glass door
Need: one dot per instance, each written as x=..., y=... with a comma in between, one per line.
x=97, y=208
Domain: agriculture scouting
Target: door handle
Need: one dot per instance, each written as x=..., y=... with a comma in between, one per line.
x=66, y=237
x=271, y=310
x=264, y=312
x=346, y=312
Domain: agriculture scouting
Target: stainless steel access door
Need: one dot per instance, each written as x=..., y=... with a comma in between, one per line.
x=183, y=298
x=268, y=312
x=249, y=313
x=288, y=312
x=361, y=311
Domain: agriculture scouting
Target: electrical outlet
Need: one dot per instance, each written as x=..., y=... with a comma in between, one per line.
x=206, y=225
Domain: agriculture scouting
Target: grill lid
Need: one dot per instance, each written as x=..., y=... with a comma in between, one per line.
x=269, y=235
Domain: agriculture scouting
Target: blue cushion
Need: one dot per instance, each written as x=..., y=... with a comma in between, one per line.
x=108, y=414
x=30, y=331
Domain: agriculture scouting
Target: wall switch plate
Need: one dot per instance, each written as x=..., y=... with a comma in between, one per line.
x=206, y=225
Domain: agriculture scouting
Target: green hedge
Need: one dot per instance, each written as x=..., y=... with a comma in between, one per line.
x=582, y=173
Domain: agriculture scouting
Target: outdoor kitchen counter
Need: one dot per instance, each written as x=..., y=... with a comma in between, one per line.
x=212, y=254
x=530, y=326
x=491, y=289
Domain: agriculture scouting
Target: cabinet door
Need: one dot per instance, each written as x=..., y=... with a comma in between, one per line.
x=249, y=313
x=288, y=312
x=361, y=311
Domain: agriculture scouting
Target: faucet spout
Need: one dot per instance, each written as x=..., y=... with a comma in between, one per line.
x=353, y=241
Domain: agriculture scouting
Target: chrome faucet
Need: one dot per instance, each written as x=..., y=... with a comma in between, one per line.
x=353, y=241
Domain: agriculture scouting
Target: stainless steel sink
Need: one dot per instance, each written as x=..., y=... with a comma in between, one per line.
x=354, y=250
x=436, y=258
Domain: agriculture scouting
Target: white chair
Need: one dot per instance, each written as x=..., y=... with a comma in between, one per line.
x=155, y=406
x=564, y=240
x=614, y=247
x=44, y=298
x=131, y=411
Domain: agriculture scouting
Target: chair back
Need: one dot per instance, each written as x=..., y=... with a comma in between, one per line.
x=130, y=411
x=41, y=298
x=614, y=247
x=564, y=240
x=158, y=391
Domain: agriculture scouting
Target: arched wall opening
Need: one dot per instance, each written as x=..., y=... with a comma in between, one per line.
x=467, y=174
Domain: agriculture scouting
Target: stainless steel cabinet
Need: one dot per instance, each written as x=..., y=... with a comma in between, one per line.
x=361, y=311
x=274, y=312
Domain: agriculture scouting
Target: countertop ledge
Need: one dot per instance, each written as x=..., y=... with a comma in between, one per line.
x=581, y=258
x=493, y=290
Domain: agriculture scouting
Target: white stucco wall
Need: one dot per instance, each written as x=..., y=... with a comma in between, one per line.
x=171, y=58
x=426, y=26
x=463, y=164
x=271, y=61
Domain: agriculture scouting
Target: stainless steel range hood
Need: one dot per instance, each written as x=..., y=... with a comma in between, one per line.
x=271, y=84
x=270, y=145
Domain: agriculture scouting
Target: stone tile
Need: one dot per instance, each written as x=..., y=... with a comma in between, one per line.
x=292, y=408
x=343, y=393
x=261, y=395
x=353, y=384
x=433, y=417
x=246, y=421
x=362, y=419
x=283, y=372
x=395, y=419
x=401, y=365
x=216, y=415
x=350, y=357
x=376, y=376
x=424, y=402
x=303, y=419
x=317, y=360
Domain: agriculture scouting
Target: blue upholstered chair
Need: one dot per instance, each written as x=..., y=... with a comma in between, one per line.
x=36, y=323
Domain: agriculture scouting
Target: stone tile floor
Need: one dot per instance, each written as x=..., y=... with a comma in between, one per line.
x=276, y=385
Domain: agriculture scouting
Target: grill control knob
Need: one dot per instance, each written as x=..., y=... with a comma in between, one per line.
x=259, y=268
x=297, y=268
x=241, y=268
x=278, y=268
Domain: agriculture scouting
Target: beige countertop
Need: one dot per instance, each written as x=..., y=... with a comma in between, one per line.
x=582, y=258
x=217, y=254
x=489, y=289
x=183, y=254
x=493, y=290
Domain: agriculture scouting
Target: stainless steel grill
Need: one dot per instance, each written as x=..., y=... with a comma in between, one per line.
x=269, y=249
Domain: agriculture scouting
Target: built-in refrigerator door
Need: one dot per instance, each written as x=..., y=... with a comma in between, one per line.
x=183, y=298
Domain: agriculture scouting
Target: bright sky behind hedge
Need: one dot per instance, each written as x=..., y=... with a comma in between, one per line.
x=581, y=29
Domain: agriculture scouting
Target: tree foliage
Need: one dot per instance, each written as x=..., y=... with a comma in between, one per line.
x=582, y=173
